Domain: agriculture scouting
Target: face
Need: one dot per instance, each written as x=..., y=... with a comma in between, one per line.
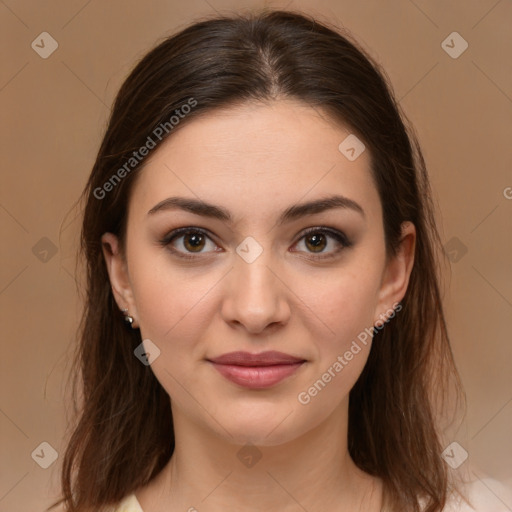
x=256, y=272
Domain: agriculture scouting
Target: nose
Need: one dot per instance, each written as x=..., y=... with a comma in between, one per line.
x=255, y=299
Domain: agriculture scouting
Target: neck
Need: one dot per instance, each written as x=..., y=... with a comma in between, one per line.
x=312, y=472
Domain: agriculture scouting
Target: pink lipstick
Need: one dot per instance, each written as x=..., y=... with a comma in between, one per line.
x=256, y=371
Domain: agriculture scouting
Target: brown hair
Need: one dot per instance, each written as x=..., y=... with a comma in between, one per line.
x=124, y=433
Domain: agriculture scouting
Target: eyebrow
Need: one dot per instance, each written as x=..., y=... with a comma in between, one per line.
x=296, y=211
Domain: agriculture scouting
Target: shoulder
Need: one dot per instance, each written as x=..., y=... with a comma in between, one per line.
x=129, y=504
x=483, y=495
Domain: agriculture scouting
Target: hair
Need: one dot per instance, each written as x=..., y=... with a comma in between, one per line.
x=123, y=436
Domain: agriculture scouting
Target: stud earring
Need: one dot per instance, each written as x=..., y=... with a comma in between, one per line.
x=127, y=318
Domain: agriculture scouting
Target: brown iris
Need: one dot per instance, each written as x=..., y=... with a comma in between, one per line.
x=316, y=242
x=194, y=242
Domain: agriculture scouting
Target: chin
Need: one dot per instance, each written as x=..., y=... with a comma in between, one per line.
x=271, y=428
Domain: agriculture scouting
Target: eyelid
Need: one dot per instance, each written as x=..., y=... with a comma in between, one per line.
x=175, y=233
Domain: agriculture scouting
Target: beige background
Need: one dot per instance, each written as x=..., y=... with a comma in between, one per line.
x=54, y=111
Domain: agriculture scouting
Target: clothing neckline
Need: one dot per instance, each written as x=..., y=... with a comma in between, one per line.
x=137, y=502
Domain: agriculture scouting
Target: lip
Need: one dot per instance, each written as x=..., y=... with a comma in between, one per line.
x=256, y=371
x=271, y=357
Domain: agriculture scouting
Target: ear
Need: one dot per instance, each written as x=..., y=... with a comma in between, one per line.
x=118, y=275
x=396, y=274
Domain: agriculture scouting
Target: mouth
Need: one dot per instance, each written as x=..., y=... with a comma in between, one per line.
x=256, y=371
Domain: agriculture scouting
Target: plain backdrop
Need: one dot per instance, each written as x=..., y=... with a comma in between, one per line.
x=54, y=112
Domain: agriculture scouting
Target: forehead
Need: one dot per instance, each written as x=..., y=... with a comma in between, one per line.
x=257, y=157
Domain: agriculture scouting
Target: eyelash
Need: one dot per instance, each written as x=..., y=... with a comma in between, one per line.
x=340, y=237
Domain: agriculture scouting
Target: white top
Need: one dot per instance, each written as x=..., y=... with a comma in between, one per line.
x=129, y=504
x=486, y=495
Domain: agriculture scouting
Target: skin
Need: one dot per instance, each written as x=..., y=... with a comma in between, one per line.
x=256, y=160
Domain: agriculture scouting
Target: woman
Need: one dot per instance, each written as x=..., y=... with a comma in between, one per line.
x=263, y=328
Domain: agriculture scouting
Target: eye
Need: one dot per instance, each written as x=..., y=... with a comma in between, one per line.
x=189, y=240
x=316, y=240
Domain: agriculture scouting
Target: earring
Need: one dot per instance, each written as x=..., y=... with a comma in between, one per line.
x=127, y=318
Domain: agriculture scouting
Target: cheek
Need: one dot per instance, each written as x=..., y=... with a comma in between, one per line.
x=344, y=302
x=170, y=302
